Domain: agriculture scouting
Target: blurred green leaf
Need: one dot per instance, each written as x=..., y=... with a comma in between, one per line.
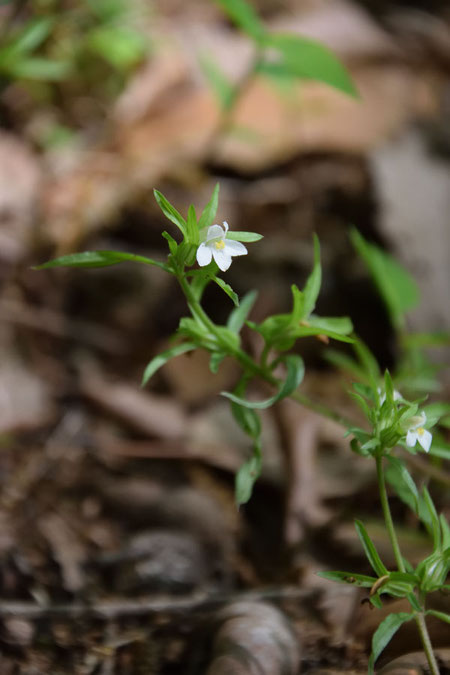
x=121, y=46
x=238, y=316
x=244, y=16
x=312, y=286
x=35, y=68
x=220, y=85
x=246, y=477
x=32, y=36
x=395, y=285
x=309, y=59
x=209, y=212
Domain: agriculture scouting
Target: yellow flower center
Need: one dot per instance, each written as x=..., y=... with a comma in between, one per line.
x=219, y=244
x=420, y=431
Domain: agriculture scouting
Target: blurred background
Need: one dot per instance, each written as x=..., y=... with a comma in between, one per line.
x=111, y=493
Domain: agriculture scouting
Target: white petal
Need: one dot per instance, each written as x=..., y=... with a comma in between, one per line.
x=204, y=255
x=225, y=225
x=235, y=247
x=215, y=232
x=397, y=395
x=222, y=258
x=411, y=438
x=425, y=440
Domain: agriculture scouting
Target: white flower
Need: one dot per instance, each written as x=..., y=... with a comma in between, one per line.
x=416, y=432
x=397, y=395
x=217, y=246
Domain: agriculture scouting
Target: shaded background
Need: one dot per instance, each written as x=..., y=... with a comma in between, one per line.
x=112, y=494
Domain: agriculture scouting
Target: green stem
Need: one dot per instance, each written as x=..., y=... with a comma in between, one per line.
x=426, y=642
x=387, y=512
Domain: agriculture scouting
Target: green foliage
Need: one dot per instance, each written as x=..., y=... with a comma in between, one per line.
x=98, y=259
x=295, y=370
x=384, y=634
x=244, y=16
x=281, y=331
x=396, y=287
x=308, y=59
x=162, y=358
x=221, y=87
x=370, y=550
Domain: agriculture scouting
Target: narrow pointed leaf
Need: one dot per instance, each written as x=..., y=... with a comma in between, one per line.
x=247, y=237
x=312, y=286
x=97, y=259
x=245, y=18
x=210, y=210
x=439, y=615
x=384, y=634
x=295, y=372
x=170, y=212
x=247, y=476
x=395, y=285
x=227, y=289
x=370, y=550
x=162, y=358
x=360, y=580
x=238, y=316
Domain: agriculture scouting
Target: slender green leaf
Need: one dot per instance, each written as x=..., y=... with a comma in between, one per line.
x=226, y=289
x=170, y=212
x=445, y=530
x=370, y=550
x=215, y=361
x=360, y=580
x=439, y=615
x=246, y=478
x=162, y=358
x=245, y=18
x=238, y=316
x=218, y=81
x=210, y=210
x=33, y=35
x=309, y=59
x=340, y=325
x=434, y=519
x=192, y=230
x=34, y=68
x=244, y=236
x=345, y=362
x=97, y=259
x=173, y=246
x=248, y=420
x=368, y=361
x=298, y=303
x=399, y=477
x=384, y=634
x=295, y=372
x=312, y=286
x=395, y=285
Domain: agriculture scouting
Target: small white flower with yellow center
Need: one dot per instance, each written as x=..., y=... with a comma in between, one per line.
x=217, y=246
x=416, y=432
